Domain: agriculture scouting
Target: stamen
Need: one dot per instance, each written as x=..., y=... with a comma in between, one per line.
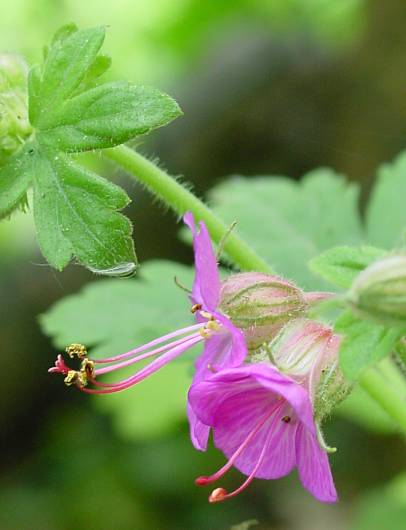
x=87, y=368
x=205, y=333
x=217, y=495
x=202, y=481
x=144, y=356
x=286, y=419
x=195, y=308
x=155, y=342
x=220, y=494
x=75, y=378
x=147, y=371
x=213, y=325
x=71, y=378
x=207, y=315
x=76, y=350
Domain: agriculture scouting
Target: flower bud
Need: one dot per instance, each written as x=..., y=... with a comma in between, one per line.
x=307, y=351
x=14, y=125
x=379, y=291
x=260, y=304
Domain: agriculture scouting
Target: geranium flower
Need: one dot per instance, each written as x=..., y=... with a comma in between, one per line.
x=231, y=316
x=224, y=343
x=262, y=420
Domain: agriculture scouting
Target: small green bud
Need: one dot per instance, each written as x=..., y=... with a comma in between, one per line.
x=260, y=304
x=379, y=292
x=14, y=125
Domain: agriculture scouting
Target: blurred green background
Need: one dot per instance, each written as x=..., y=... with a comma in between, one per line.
x=267, y=87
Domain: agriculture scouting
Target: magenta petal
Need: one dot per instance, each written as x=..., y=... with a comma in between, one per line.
x=314, y=467
x=206, y=286
x=238, y=416
x=199, y=432
x=206, y=396
x=224, y=349
x=234, y=353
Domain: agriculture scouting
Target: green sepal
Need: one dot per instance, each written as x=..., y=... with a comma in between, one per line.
x=363, y=343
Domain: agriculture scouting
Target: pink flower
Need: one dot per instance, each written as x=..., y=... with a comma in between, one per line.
x=221, y=350
x=262, y=420
x=224, y=344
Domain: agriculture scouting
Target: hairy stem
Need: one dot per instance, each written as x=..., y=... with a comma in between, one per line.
x=181, y=200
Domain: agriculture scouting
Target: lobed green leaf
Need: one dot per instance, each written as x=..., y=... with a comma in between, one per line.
x=74, y=209
x=15, y=179
x=68, y=60
x=289, y=222
x=108, y=115
x=341, y=265
x=74, y=215
x=386, y=212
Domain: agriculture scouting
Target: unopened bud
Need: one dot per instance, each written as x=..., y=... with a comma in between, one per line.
x=379, y=291
x=14, y=125
x=260, y=304
x=307, y=351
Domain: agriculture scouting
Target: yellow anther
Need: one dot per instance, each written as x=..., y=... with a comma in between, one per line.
x=195, y=308
x=212, y=325
x=87, y=368
x=207, y=315
x=71, y=378
x=205, y=333
x=77, y=350
x=75, y=378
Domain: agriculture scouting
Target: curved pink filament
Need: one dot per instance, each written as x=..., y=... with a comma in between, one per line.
x=146, y=355
x=202, y=481
x=246, y=483
x=148, y=370
x=154, y=342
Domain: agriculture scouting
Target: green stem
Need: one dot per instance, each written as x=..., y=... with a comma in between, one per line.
x=181, y=200
x=392, y=373
x=390, y=397
x=172, y=193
